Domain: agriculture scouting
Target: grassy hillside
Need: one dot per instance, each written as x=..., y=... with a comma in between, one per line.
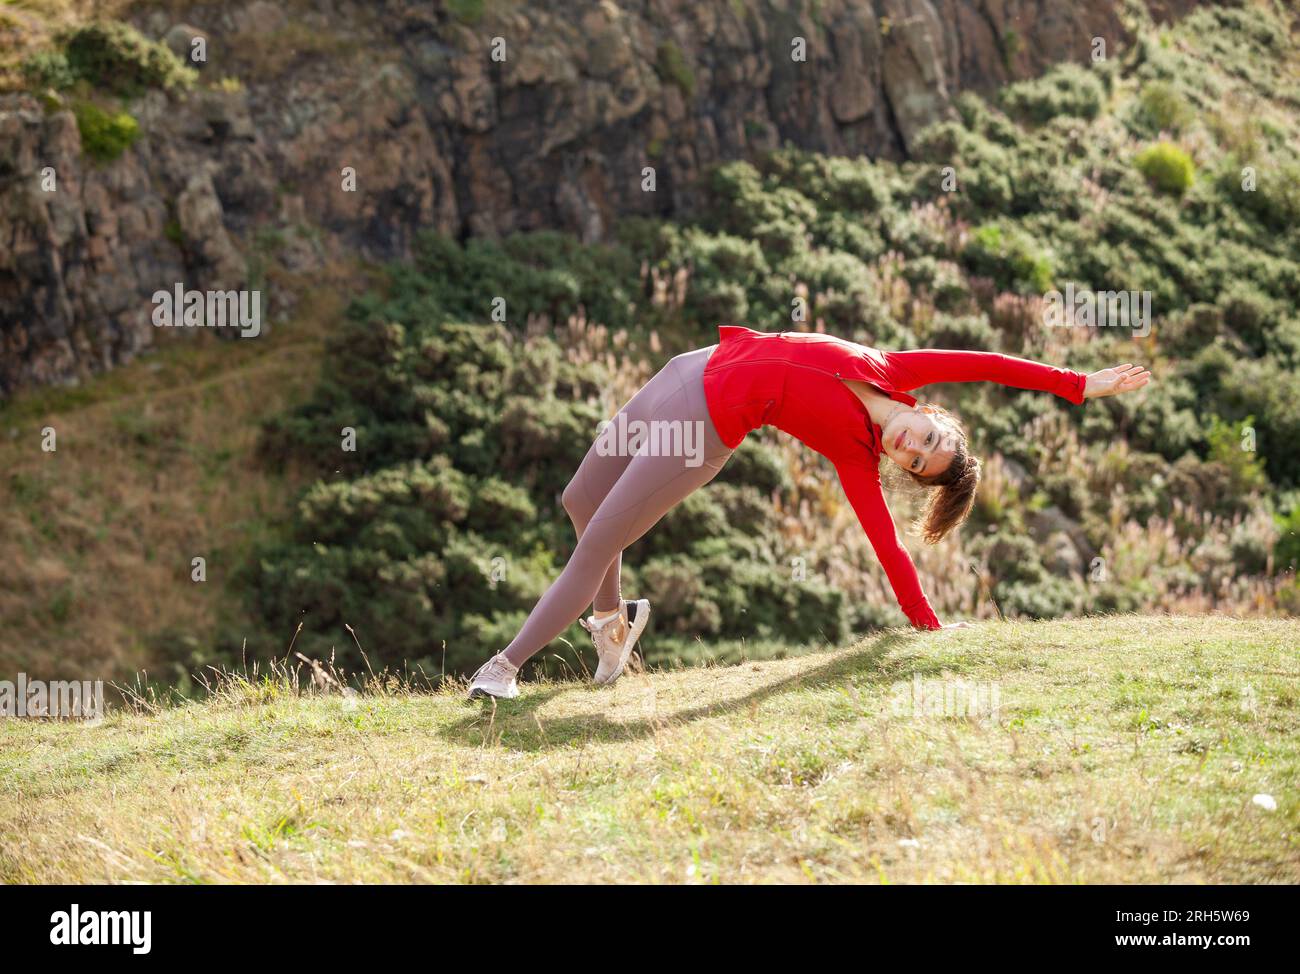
x=1121, y=749
x=154, y=465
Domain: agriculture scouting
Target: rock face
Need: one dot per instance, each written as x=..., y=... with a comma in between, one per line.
x=359, y=124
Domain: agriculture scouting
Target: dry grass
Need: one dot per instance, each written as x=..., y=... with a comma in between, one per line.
x=154, y=466
x=1126, y=750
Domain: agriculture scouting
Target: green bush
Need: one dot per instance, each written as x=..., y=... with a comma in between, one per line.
x=115, y=57
x=1009, y=256
x=981, y=119
x=1161, y=108
x=1066, y=89
x=104, y=135
x=941, y=280
x=1275, y=200
x=536, y=274
x=743, y=204
x=48, y=69
x=1270, y=392
x=853, y=186
x=985, y=169
x=1048, y=598
x=969, y=332
x=723, y=258
x=1286, y=551
x=825, y=270
x=1167, y=167
x=1227, y=447
x=848, y=234
x=1251, y=314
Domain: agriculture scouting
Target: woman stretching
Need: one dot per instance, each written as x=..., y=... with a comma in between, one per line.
x=846, y=401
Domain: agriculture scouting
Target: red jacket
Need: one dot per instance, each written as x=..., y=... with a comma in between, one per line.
x=792, y=380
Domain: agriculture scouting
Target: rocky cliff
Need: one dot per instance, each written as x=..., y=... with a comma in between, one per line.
x=472, y=117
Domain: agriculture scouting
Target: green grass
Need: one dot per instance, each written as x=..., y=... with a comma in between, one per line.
x=1124, y=749
x=105, y=135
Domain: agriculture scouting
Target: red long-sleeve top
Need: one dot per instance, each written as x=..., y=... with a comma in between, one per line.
x=793, y=381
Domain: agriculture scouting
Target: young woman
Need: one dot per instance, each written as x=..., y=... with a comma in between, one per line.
x=846, y=401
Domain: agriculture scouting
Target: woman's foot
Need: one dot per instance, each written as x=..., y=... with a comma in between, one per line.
x=495, y=678
x=615, y=636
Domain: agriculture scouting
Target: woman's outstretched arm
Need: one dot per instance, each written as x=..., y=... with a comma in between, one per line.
x=908, y=370
x=861, y=484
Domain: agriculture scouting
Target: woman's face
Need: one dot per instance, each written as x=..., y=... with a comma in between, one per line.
x=918, y=443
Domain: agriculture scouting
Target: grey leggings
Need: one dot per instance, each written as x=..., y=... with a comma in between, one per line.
x=618, y=493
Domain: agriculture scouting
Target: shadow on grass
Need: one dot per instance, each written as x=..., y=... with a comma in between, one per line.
x=515, y=724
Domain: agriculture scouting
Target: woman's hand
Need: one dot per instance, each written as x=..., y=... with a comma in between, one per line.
x=1111, y=382
x=957, y=625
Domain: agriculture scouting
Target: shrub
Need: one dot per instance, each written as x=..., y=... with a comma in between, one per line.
x=1271, y=393
x=984, y=167
x=1227, y=447
x=1275, y=200
x=836, y=231
x=717, y=302
x=1284, y=342
x=1010, y=557
x=969, y=332
x=1167, y=167
x=1009, y=256
x=537, y=273
x=48, y=69
x=1250, y=313
x=837, y=183
x=115, y=57
x=941, y=280
x=825, y=270
x=722, y=258
x=1161, y=108
x=104, y=135
x=1067, y=89
x=1047, y=598
x=743, y=205
x=982, y=119
x=1286, y=550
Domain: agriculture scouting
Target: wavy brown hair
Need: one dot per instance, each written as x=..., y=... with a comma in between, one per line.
x=953, y=491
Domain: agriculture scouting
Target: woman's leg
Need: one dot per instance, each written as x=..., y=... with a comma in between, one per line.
x=600, y=470
x=595, y=477
x=681, y=453
x=603, y=471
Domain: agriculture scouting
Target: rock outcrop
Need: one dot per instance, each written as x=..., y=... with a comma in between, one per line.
x=516, y=118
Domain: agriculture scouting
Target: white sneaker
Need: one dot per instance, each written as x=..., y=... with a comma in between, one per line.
x=613, y=654
x=495, y=678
